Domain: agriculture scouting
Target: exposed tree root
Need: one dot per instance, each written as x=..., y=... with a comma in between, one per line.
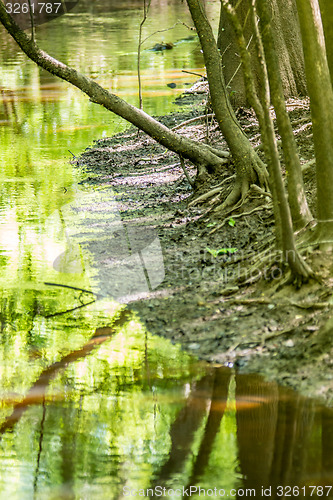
x=210, y=193
x=237, y=216
x=254, y=173
x=318, y=236
x=233, y=197
x=301, y=272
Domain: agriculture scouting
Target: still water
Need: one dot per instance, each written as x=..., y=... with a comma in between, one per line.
x=92, y=405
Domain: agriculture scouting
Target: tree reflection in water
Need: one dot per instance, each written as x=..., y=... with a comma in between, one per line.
x=123, y=408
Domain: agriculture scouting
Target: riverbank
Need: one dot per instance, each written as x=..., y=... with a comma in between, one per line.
x=222, y=297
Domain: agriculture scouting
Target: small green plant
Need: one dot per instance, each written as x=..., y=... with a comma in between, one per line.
x=220, y=251
x=231, y=222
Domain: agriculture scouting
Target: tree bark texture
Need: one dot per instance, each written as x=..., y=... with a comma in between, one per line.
x=300, y=211
x=249, y=167
x=287, y=40
x=321, y=103
x=326, y=8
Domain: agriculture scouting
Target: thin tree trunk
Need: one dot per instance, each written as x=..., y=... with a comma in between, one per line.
x=283, y=221
x=300, y=270
x=300, y=211
x=249, y=167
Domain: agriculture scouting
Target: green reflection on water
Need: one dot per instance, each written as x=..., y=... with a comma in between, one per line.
x=120, y=408
x=105, y=419
x=102, y=420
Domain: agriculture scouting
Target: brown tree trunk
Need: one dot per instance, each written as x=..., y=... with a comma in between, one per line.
x=287, y=40
x=299, y=209
x=249, y=167
x=301, y=272
x=321, y=103
x=326, y=8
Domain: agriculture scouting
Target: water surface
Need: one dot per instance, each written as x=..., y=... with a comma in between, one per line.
x=92, y=405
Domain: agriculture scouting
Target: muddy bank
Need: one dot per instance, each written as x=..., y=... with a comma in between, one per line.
x=223, y=295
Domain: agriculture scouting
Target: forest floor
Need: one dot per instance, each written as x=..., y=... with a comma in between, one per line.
x=224, y=296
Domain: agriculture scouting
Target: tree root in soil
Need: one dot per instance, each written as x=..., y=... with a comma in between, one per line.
x=217, y=189
x=237, y=216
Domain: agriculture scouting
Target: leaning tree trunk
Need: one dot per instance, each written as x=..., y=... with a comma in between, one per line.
x=287, y=40
x=321, y=103
x=203, y=156
x=249, y=167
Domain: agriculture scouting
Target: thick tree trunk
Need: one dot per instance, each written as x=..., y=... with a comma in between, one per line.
x=200, y=154
x=321, y=102
x=287, y=40
x=249, y=167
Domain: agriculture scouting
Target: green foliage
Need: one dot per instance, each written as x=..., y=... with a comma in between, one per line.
x=221, y=251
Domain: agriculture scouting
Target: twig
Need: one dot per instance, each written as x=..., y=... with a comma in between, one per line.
x=191, y=28
x=237, y=216
x=160, y=31
x=192, y=120
x=69, y=310
x=307, y=165
x=32, y=22
x=279, y=333
x=291, y=105
x=70, y=287
x=248, y=302
x=193, y=73
x=145, y=14
x=301, y=120
x=240, y=64
x=191, y=183
x=310, y=305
